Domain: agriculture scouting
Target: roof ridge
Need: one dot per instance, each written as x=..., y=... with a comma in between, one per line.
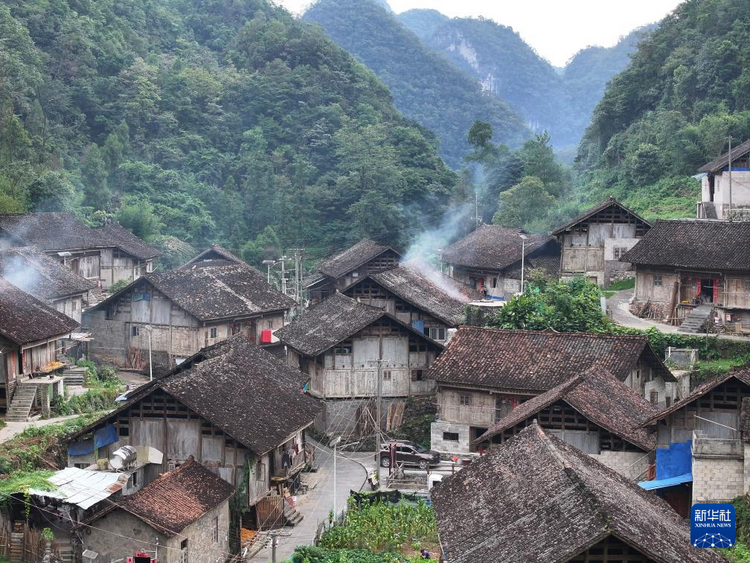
x=553, y=332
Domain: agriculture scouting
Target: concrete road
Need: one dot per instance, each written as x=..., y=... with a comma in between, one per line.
x=316, y=504
x=12, y=429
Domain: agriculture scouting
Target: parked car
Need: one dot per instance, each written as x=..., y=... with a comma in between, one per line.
x=408, y=453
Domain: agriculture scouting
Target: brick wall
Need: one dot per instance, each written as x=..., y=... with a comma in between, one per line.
x=630, y=464
x=718, y=479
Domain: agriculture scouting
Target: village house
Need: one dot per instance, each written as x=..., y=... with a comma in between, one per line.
x=172, y=315
x=236, y=409
x=592, y=244
x=417, y=295
x=711, y=427
x=725, y=194
x=484, y=374
x=537, y=499
x=183, y=515
x=104, y=255
x=46, y=279
x=215, y=255
x=341, y=270
x=694, y=273
x=345, y=347
x=594, y=412
x=489, y=259
x=30, y=346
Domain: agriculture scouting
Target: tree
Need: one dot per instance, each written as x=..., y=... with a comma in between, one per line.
x=524, y=203
x=539, y=161
x=139, y=218
x=95, y=174
x=52, y=191
x=480, y=135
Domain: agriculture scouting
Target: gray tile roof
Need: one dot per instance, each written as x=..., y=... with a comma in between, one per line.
x=536, y=499
x=698, y=244
x=123, y=239
x=352, y=258
x=609, y=202
x=41, y=276
x=723, y=161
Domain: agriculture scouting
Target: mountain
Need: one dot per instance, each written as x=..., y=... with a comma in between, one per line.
x=686, y=90
x=208, y=120
x=424, y=23
x=425, y=86
x=557, y=100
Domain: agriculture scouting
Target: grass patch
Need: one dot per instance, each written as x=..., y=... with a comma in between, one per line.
x=628, y=283
x=22, y=481
x=103, y=385
x=707, y=370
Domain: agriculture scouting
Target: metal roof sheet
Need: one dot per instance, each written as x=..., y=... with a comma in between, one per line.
x=82, y=487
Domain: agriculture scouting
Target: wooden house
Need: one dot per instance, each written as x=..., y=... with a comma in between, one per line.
x=46, y=279
x=537, y=499
x=592, y=411
x=592, y=244
x=175, y=314
x=489, y=259
x=692, y=272
x=183, y=515
x=484, y=374
x=713, y=421
x=726, y=193
x=343, y=346
x=417, y=295
x=30, y=344
x=215, y=255
x=345, y=268
x=104, y=255
x=235, y=408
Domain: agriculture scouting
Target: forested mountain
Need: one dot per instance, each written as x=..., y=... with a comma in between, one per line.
x=686, y=90
x=208, y=120
x=425, y=86
x=559, y=102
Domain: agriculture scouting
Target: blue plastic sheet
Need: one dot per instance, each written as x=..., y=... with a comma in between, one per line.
x=105, y=436
x=675, y=460
x=81, y=448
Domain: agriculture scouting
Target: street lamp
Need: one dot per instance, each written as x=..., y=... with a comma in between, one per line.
x=335, y=444
x=270, y=264
x=523, y=257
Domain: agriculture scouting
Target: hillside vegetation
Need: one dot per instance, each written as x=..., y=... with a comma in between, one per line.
x=206, y=120
x=425, y=86
x=686, y=90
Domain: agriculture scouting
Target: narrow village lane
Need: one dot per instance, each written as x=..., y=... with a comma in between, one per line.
x=316, y=504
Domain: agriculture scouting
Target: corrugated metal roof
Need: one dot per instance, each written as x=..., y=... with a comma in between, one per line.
x=82, y=487
x=664, y=483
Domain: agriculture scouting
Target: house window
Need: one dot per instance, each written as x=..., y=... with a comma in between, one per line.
x=75, y=305
x=417, y=345
x=464, y=400
x=658, y=280
x=668, y=401
x=387, y=375
x=216, y=529
x=149, y=267
x=619, y=251
x=184, y=551
x=437, y=333
x=654, y=396
x=416, y=374
x=135, y=479
x=450, y=436
x=343, y=349
x=213, y=332
x=135, y=330
x=401, y=307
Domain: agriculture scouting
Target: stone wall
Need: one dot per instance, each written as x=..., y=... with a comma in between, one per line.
x=440, y=444
x=630, y=464
x=718, y=470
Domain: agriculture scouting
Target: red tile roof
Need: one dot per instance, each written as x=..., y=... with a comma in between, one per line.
x=178, y=498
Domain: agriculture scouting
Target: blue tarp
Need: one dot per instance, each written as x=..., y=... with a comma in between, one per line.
x=81, y=448
x=664, y=483
x=418, y=325
x=105, y=436
x=675, y=460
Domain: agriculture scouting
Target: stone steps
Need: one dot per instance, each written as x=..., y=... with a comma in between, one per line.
x=696, y=321
x=20, y=406
x=291, y=516
x=74, y=376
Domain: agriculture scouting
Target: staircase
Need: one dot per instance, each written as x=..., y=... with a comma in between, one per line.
x=291, y=516
x=696, y=321
x=20, y=406
x=74, y=376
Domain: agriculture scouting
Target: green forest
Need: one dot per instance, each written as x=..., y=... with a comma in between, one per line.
x=209, y=121
x=672, y=110
x=426, y=87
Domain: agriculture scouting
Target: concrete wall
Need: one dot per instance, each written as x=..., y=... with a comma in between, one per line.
x=740, y=190
x=440, y=444
x=630, y=464
x=718, y=479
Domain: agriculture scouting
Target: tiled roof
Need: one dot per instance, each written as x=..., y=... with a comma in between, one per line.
x=57, y=232
x=352, y=258
x=609, y=202
x=25, y=319
x=219, y=292
x=249, y=394
x=493, y=248
x=690, y=243
x=328, y=323
x=526, y=360
x=177, y=498
x=216, y=255
x=123, y=239
x=428, y=289
x=742, y=375
x=723, y=161
x=597, y=395
x=39, y=275
x=537, y=499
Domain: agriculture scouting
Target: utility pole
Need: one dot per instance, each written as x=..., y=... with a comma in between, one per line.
x=523, y=258
x=730, y=178
x=283, y=275
x=335, y=444
x=150, y=330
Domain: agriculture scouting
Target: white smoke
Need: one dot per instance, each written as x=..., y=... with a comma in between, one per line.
x=17, y=271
